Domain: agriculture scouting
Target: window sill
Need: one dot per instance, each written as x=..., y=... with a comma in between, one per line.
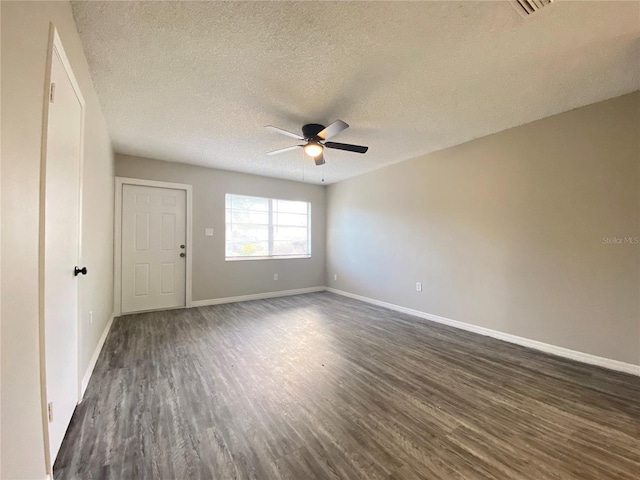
x=275, y=257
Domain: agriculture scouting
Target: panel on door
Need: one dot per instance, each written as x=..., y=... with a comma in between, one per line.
x=61, y=252
x=153, y=248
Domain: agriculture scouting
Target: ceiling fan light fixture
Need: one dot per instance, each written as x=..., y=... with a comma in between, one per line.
x=316, y=136
x=313, y=149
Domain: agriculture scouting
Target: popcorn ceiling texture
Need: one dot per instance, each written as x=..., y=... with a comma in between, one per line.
x=195, y=82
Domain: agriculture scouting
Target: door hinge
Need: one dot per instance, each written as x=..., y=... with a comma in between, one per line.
x=50, y=411
x=52, y=93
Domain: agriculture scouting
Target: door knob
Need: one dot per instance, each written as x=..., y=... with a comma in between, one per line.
x=181, y=246
x=77, y=271
x=183, y=254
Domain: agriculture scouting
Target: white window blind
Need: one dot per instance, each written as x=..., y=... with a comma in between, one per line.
x=266, y=227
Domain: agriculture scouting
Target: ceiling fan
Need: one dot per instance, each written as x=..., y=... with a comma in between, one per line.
x=316, y=137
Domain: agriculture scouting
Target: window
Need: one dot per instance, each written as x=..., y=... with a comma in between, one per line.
x=259, y=227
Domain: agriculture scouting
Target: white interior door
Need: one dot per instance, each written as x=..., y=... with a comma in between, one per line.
x=153, y=248
x=61, y=250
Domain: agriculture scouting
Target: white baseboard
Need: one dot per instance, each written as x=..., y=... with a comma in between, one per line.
x=94, y=357
x=256, y=296
x=544, y=347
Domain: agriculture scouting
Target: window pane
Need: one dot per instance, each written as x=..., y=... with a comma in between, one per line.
x=247, y=249
x=286, y=206
x=289, y=233
x=248, y=216
x=243, y=202
x=259, y=233
x=291, y=248
x=290, y=219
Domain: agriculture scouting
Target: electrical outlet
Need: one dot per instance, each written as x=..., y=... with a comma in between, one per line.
x=275, y=276
x=418, y=286
x=208, y=232
x=91, y=317
x=335, y=277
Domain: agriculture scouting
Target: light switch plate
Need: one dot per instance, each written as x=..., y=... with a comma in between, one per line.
x=208, y=232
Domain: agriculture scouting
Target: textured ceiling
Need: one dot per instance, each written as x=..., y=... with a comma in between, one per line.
x=195, y=82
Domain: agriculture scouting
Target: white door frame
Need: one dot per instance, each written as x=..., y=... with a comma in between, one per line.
x=117, y=251
x=56, y=48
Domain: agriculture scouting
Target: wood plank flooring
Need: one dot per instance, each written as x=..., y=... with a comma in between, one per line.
x=322, y=387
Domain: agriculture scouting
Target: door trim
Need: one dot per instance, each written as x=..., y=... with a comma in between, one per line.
x=117, y=250
x=55, y=47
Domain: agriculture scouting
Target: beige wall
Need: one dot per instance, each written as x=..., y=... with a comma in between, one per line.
x=25, y=30
x=506, y=231
x=213, y=277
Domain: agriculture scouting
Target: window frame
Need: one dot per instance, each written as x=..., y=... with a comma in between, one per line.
x=270, y=230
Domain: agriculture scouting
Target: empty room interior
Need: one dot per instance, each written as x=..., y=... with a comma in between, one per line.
x=320, y=240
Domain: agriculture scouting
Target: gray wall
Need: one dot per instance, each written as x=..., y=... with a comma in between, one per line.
x=213, y=277
x=506, y=231
x=25, y=30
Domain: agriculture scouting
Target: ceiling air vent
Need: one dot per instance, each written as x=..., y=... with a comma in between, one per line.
x=527, y=8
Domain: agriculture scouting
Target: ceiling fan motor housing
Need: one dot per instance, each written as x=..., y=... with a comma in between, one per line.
x=311, y=130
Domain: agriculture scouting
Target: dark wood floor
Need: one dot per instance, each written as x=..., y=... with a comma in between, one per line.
x=322, y=387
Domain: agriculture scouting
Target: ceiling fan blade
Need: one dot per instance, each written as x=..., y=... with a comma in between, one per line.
x=319, y=159
x=275, y=152
x=347, y=146
x=333, y=129
x=284, y=132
